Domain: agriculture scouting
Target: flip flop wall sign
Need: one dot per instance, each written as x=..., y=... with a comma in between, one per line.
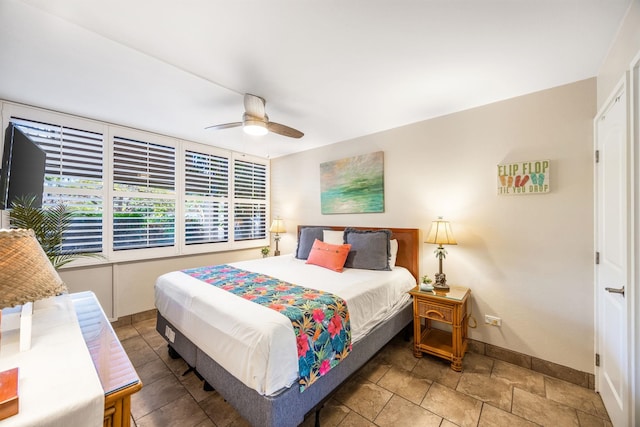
x=530, y=177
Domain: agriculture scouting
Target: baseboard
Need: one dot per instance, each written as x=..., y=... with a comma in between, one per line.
x=134, y=318
x=583, y=379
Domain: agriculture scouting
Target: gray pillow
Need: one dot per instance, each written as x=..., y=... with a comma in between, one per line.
x=370, y=249
x=307, y=236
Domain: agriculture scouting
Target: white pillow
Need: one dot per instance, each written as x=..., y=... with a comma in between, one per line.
x=333, y=237
x=393, y=249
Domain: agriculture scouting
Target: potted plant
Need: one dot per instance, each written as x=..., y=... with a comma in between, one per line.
x=49, y=225
x=426, y=283
x=265, y=251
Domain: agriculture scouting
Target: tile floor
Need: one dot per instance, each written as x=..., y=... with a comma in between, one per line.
x=393, y=389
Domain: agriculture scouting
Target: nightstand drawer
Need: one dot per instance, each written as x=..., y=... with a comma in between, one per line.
x=435, y=312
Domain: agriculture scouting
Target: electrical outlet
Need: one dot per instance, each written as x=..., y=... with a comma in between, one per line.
x=492, y=320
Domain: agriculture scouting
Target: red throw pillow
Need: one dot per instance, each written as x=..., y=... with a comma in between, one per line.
x=328, y=256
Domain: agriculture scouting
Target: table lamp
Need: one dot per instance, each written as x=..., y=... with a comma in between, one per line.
x=26, y=275
x=440, y=234
x=277, y=226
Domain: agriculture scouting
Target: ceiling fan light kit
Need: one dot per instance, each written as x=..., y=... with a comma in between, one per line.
x=254, y=127
x=256, y=122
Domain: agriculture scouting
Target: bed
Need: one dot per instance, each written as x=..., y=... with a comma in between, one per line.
x=263, y=388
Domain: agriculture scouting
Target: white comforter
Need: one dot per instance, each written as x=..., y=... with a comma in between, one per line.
x=256, y=344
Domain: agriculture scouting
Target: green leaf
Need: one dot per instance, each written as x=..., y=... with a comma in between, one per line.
x=49, y=225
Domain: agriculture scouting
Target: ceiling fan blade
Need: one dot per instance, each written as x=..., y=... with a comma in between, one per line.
x=254, y=105
x=225, y=126
x=284, y=130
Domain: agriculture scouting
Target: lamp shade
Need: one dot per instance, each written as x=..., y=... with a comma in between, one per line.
x=26, y=274
x=277, y=226
x=440, y=233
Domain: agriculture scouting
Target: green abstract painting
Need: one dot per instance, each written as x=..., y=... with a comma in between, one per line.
x=353, y=185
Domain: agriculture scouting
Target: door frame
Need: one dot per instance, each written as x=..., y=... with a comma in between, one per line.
x=634, y=292
x=631, y=84
x=621, y=90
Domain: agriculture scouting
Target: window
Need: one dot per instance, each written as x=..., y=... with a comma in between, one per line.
x=144, y=202
x=250, y=200
x=140, y=195
x=74, y=177
x=206, y=198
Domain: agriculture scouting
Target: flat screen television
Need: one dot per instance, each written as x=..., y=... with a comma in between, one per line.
x=23, y=166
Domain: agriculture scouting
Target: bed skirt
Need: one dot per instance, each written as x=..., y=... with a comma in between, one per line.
x=289, y=407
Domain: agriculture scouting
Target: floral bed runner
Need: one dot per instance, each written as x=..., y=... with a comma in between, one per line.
x=320, y=319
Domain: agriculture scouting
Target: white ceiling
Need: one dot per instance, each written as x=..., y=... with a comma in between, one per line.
x=334, y=69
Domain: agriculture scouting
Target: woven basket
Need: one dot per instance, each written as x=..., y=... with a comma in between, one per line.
x=26, y=274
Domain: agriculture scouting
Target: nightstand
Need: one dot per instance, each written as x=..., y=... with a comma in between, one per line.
x=444, y=307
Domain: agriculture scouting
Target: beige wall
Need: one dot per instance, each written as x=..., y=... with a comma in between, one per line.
x=528, y=259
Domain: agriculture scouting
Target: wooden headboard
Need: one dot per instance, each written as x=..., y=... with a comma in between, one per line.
x=408, y=244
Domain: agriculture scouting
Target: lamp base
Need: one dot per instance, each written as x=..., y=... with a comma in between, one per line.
x=18, y=320
x=26, y=322
x=441, y=282
x=277, y=251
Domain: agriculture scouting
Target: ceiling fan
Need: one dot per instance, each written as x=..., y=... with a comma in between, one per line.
x=256, y=122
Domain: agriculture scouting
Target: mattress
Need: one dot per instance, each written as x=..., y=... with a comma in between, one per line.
x=256, y=344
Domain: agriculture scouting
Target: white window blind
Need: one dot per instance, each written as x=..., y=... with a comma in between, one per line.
x=143, y=167
x=144, y=202
x=250, y=198
x=206, y=198
x=74, y=177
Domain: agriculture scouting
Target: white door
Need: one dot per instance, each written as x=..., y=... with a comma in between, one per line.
x=613, y=204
